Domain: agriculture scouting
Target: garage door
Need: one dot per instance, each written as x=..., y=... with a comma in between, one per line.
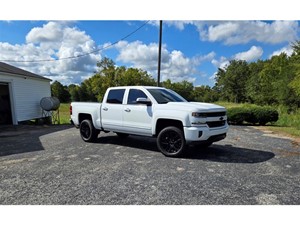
x=5, y=108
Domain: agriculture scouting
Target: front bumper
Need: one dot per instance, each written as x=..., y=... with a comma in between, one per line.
x=205, y=133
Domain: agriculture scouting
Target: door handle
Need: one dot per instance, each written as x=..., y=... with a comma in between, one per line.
x=127, y=110
x=105, y=109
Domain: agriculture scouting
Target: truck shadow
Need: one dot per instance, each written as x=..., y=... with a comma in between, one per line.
x=229, y=154
x=214, y=153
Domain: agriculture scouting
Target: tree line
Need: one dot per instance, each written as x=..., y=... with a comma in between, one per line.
x=275, y=81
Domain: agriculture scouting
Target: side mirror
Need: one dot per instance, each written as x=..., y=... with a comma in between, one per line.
x=144, y=101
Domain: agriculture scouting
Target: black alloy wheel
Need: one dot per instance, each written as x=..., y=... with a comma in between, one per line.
x=87, y=131
x=171, y=141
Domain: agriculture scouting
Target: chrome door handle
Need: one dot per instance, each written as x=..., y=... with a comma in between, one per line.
x=105, y=109
x=127, y=110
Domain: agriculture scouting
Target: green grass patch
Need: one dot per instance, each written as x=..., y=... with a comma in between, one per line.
x=64, y=113
x=290, y=131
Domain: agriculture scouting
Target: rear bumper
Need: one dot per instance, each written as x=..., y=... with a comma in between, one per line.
x=205, y=134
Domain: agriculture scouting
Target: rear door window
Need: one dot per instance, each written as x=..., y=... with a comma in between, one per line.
x=115, y=96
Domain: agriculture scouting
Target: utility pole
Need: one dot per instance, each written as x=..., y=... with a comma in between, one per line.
x=159, y=53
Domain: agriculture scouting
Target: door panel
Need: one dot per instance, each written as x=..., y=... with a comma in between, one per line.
x=137, y=118
x=112, y=116
x=112, y=110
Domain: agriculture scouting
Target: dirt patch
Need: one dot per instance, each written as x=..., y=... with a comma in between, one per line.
x=278, y=134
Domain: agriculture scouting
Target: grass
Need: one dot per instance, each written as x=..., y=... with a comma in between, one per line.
x=64, y=113
x=287, y=124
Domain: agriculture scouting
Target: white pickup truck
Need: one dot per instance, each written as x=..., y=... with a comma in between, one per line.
x=153, y=112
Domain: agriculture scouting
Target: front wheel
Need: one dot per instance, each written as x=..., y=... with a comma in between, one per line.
x=171, y=141
x=88, y=132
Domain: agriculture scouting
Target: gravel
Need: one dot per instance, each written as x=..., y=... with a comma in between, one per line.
x=52, y=166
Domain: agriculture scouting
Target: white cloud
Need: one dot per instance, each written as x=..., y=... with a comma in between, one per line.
x=221, y=63
x=287, y=50
x=242, y=32
x=174, y=65
x=50, y=32
x=252, y=54
x=55, y=40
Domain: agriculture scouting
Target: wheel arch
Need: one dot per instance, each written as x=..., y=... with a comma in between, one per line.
x=84, y=116
x=163, y=123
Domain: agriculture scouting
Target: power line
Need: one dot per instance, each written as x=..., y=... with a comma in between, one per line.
x=78, y=56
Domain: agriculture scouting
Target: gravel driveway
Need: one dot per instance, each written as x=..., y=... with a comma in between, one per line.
x=52, y=165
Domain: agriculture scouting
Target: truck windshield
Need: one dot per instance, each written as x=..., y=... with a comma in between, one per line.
x=163, y=96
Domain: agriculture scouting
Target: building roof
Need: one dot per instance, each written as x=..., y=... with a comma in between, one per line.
x=6, y=68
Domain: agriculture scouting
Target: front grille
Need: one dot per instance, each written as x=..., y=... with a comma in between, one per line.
x=212, y=114
x=216, y=123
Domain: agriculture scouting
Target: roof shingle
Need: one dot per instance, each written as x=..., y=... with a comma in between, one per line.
x=15, y=70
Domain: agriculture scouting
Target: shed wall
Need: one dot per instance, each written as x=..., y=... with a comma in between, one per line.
x=26, y=94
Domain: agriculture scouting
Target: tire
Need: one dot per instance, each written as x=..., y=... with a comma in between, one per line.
x=171, y=142
x=122, y=135
x=88, y=132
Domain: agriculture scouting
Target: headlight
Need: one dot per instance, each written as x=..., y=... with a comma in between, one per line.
x=199, y=115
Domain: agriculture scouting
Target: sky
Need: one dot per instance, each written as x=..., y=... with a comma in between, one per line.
x=68, y=50
x=64, y=42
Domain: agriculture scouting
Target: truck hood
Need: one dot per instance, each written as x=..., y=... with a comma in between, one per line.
x=194, y=106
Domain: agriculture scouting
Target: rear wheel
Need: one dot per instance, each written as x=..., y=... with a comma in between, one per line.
x=88, y=132
x=171, y=141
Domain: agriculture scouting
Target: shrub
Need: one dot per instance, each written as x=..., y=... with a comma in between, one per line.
x=237, y=115
x=253, y=115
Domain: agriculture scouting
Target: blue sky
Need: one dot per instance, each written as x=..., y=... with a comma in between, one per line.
x=192, y=50
x=198, y=36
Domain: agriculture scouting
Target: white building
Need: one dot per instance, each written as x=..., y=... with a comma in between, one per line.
x=20, y=94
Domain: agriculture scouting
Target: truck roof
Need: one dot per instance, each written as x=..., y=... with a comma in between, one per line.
x=138, y=86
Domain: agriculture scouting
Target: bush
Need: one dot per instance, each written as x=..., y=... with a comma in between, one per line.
x=253, y=115
x=237, y=115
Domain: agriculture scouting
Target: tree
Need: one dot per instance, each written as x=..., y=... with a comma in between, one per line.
x=253, y=87
x=184, y=88
x=204, y=93
x=108, y=75
x=232, y=81
x=295, y=63
x=60, y=91
x=74, y=91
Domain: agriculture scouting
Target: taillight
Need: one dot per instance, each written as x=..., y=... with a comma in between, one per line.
x=70, y=110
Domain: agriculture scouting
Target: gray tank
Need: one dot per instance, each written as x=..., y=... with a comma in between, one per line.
x=50, y=103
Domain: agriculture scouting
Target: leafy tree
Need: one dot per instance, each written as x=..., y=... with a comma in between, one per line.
x=204, y=93
x=295, y=67
x=60, y=91
x=232, y=80
x=184, y=88
x=265, y=82
x=108, y=75
x=253, y=88
x=74, y=91
x=86, y=91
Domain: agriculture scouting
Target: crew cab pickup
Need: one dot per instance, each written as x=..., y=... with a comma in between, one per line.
x=152, y=112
